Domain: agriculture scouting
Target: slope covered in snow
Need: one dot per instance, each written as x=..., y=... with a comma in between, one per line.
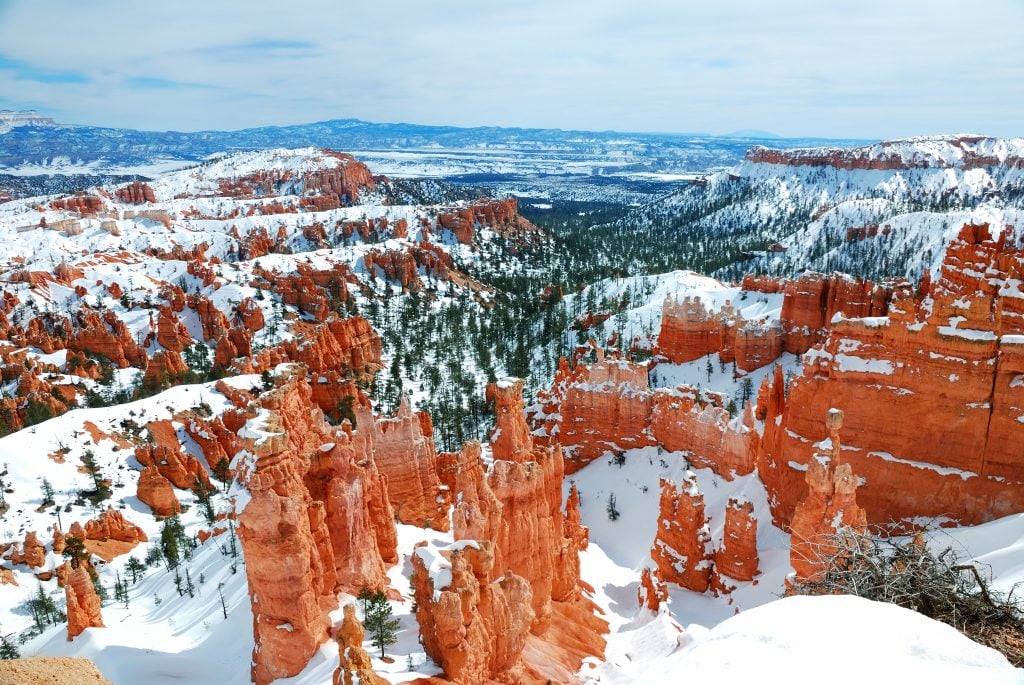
x=885, y=209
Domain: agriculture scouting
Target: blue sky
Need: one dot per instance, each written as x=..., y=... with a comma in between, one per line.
x=842, y=68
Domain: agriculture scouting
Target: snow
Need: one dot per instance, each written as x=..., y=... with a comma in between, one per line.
x=839, y=639
x=848, y=363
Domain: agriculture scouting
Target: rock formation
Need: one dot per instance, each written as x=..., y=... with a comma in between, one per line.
x=510, y=439
x=830, y=506
x=511, y=517
x=315, y=518
x=83, y=604
x=596, y=408
x=355, y=667
x=32, y=553
x=404, y=452
x=165, y=453
x=653, y=592
x=157, y=493
x=608, y=406
x=945, y=364
x=112, y=525
x=737, y=557
x=682, y=549
x=958, y=152
x=475, y=626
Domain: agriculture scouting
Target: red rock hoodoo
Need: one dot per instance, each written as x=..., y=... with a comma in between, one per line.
x=830, y=506
x=315, y=519
x=682, y=546
x=83, y=604
x=945, y=372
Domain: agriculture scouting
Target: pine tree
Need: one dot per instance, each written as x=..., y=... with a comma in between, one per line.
x=136, y=568
x=377, y=618
x=75, y=551
x=8, y=650
x=47, y=490
x=613, y=512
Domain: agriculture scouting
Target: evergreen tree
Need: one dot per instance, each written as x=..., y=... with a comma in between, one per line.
x=136, y=568
x=75, y=551
x=377, y=618
x=8, y=650
x=613, y=512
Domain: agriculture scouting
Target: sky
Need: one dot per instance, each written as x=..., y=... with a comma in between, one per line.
x=839, y=68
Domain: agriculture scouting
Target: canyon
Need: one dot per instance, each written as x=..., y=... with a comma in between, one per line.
x=235, y=350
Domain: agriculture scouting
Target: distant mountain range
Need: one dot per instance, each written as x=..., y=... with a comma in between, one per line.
x=31, y=143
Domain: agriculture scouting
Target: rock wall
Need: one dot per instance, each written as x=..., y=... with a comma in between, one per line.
x=737, y=558
x=82, y=602
x=313, y=518
x=682, y=545
x=932, y=394
x=511, y=517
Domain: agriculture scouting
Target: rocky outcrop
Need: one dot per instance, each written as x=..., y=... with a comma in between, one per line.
x=32, y=552
x=940, y=152
x=682, y=549
x=171, y=333
x=652, y=592
x=946, y=366
x=686, y=420
x=510, y=439
x=474, y=625
x=249, y=315
x=105, y=335
x=757, y=344
x=737, y=558
x=213, y=320
x=592, y=409
x=82, y=602
x=830, y=506
x=404, y=452
x=354, y=667
x=112, y=525
x=315, y=519
x=135, y=193
x=395, y=265
x=690, y=331
x=513, y=513
x=165, y=454
x=342, y=345
x=608, y=407
x=500, y=215
x=157, y=493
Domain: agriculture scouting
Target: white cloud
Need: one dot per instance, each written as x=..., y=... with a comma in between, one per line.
x=846, y=69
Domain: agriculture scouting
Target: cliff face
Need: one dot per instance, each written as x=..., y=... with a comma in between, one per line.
x=608, y=406
x=946, y=369
x=813, y=300
x=682, y=546
x=598, y=407
x=314, y=518
x=83, y=604
x=510, y=518
x=952, y=152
